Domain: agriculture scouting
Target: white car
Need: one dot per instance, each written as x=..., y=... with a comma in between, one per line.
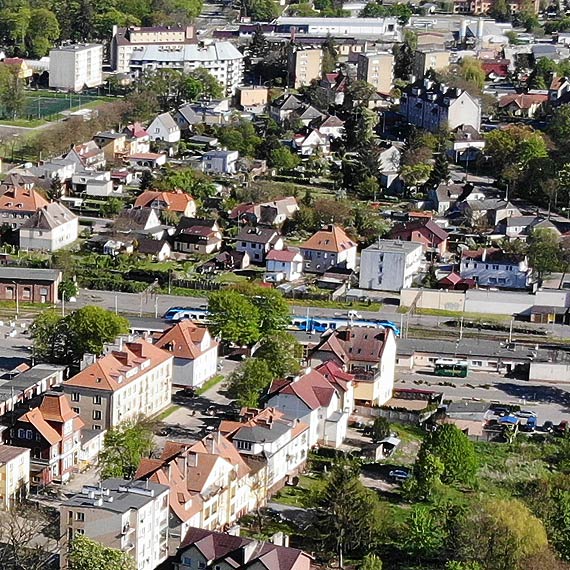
x=526, y=414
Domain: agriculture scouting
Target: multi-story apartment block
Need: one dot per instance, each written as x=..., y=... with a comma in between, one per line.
x=127, y=383
x=14, y=475
x=390, y=265
x=76, y=66
x=52, y=432
x=481, y=7
x=125, y=41
x=429, y=58
x=377, y=69
x=209, y=483
x=430, y=105
x=304, y=65
x=131, y=516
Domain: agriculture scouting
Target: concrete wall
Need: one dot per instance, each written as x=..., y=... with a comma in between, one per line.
x=498, y=302
x=434, y=299
x=549, y=371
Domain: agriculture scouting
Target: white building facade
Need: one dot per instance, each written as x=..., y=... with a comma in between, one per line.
x=76, y=66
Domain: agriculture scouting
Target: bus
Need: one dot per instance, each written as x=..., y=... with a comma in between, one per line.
x=451, y=367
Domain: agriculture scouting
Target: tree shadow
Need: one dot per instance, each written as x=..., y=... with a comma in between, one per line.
x=538, y=393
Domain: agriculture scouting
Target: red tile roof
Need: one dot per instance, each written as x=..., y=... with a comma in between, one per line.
x=285, y=255
x=184, y=340
x=312, y=388
x=332, y=238
x=176, y=201
x=523, y=100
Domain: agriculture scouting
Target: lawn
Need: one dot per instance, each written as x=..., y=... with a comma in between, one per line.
x=458, y=314
x=346, y=305
x=301, y=495
x=165, y=413
x=209, y=384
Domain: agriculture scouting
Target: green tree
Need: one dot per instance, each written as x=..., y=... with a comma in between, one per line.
x=248, y=382
x=348, y=515
x=188, y=180
x=472, y=71
x=233, y=317
x=42, y=31
x=404, y=56
x=380, y=429
x=87, y=554
x=124, y=447
x=282, y=352
x=11, y=91
x=258, y=46
x=559, y=127
x=500, y=534
x=284, y=159
x=146, y=180
x=544, y=252
x=49, y=336
x=330, y=55
x=424, y=537
x=456, y=565
x=112, y=207
x=456, y=452
x=428, y=470
x=501, y=11
x=371, y=562
x=67, y=289
x=376, y=10
x=260, y=10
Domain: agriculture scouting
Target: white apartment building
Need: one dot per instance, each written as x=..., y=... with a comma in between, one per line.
x=14, y=474
x=377, y=69
x=124, y=384
x=221, y=59
x=76, y=66
x=390, y=265
x=126, y=40
x=131, y=516
x=49, y=229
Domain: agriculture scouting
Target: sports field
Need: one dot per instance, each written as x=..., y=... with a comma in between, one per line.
x=48, y=105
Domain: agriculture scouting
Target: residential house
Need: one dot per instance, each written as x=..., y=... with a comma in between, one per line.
x=87, y=156
x=468, y=144
x=284, y=265
x=18, y=67
x=136, y=219
x=430, y=105
x=195, y=353
x=332, y=127
x=95, y=183
x=333, y=86
x=209, y=483
x=231, y=260
x=253, y=98
x=215, y=112
x=389, y=158
x=18, y=204
x=447, y=195
x=489, y=212
x=258, y=242
x=49, y=229
x=558, y=90
x=30, y=285
x=138, y=139
x=425, y=231
x=177, y=202
x=220, y=161
x=268, y=213
x=158, y=250
x=323, y=404
x=196, y=235
x=267, y=437
x=146, y=160
x=525, y=105
x=522, y=226
x=281, y=109
x=491, y=267
x=368, y=353
x=130, y=516
x=328, y=248
x=52, y=432
x=308, y=114
x=454, y=282
x=496, y=69
x=164, y=128
x=206, y=549
x=113, y=144
x=312, y=143
x=134, y=380
x=14, y=475
x=390, y=265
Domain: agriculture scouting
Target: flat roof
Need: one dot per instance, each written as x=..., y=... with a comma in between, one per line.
x=394, y=246
x=77, y=47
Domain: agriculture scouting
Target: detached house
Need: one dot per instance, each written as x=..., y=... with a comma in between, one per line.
x=178, y=202
x=196, y=235
x=195, y=353
x=122, y=385
x=284, y=265
x=206, y=549
x=19, y=203
x=325, y=404
x=492, y=267
x=432, y=237
x=258, y=242
x=164, y=128
x=328, y=248
x=49, y=229
x=522, y=104
x=52, y=432
x=311, y=143
x=267, y=437
x=14, y=475
x=137, y=139
x=366, y=352
x=87, y=155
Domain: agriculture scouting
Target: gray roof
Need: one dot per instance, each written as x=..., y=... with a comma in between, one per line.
x=261, y=434
x=49, y=217
x=76, y=47
x=520, y=221
x=167, y=120
x=465, y=407
x=217, y=51
x=29, y=274
x=257, y=235
x=394, y=246
x=31, y=377
x=489, y=204
x=126, y=495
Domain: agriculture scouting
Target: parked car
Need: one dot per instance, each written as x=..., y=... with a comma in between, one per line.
x=562, y=427
x=211, y=411
x=548, y=427
x=498, y=411
x=399, y=475
x=526, y=414
x=530, y=425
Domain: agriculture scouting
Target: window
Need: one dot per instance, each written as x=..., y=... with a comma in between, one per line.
x=187, y=561
x=29, y=434
x=21, y=433
x=79, y=531
x=97, y=400
x=79, y=516
x=75, y=396
x=96, y=414
x=76, y=410
x=495, y=267
x=27, y=293
x=96, y=427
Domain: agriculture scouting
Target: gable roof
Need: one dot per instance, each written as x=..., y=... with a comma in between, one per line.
x=183, y=340
x=286, y=255
x=422, y=224
x=149, y=246
x=19, y=198
x=312, y=388
x=167, y=121
x=109, y=373
x=331, y=238
x=355, y=343
x=258, y=235
x=523, y=100
x=176, y=201
x=134, y=219
x=49, y=217
x=35, y=418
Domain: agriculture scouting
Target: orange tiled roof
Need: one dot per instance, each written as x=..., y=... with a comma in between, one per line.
x=55, y=407
x=19, y=199
x=176, y=201
x=109, y=372
x=332, y=239
x=183, y=340
x=36, y=418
